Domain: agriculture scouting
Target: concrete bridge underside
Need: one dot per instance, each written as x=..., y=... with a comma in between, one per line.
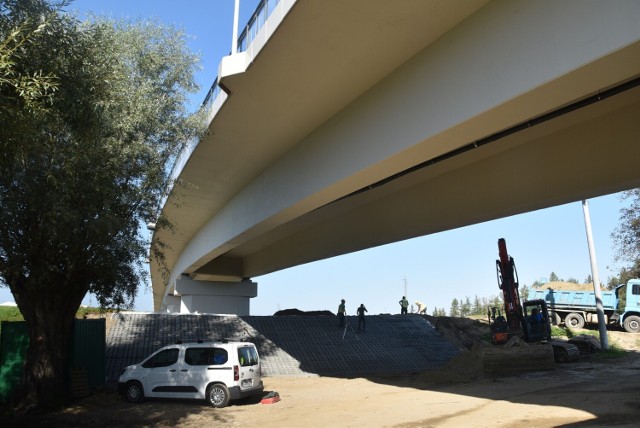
x=358, y=124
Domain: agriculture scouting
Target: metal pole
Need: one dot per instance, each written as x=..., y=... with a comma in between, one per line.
x=602, y=328
x=234, y=41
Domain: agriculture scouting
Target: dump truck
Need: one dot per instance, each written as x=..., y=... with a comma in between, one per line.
x=576, y=308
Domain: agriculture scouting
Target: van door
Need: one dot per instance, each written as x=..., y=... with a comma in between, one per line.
x=162, y=374
x=204, y=366
x=249, y=363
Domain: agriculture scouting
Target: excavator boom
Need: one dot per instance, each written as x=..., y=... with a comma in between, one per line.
x=508, y=283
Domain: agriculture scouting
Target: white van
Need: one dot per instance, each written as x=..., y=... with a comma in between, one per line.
x=215, y=371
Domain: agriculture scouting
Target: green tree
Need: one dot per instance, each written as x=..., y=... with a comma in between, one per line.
x=553, y=277
x=496, y=301
x=524, y=292
x=455, y=308
x=477, y=308
x=629, y=272
x=588, y=279
x=465, y=308
x=79, y=176
x=626, y=236
x=439, y=312
x=20, y=88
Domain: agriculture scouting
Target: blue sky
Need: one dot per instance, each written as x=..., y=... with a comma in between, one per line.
x=437, y=268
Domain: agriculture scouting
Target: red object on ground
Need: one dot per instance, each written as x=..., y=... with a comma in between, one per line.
x=270, y=398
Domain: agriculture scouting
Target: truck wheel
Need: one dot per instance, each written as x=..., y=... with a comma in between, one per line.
x=554, y=318
x=574, y=320
x=632, y=324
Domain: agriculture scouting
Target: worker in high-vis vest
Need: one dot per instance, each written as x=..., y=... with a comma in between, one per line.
x=404, y=305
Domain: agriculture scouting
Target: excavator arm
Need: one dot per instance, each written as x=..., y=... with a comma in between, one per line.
x=508, y=283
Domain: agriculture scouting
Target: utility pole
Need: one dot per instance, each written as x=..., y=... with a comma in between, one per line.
x=602, y=328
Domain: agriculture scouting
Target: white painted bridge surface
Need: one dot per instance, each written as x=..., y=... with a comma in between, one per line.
x=350, y=124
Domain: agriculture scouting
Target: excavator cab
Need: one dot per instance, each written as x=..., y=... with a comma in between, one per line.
x=535, y=323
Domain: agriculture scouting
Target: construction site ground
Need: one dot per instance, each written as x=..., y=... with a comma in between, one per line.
x=597, y=390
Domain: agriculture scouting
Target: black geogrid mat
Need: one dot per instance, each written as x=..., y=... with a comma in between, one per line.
x=289, y=345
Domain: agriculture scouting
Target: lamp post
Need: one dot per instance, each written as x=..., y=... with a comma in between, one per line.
x=234, y=41
x=602, y=328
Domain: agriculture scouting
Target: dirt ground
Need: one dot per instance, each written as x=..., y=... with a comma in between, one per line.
x=597, y=390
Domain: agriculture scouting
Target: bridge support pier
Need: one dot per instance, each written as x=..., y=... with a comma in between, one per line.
x=211, y=297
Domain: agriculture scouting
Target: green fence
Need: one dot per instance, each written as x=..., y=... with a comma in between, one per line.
x=14, y=341
x=86, y=366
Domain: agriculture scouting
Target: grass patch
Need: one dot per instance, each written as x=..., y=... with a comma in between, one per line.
x=558, y=332
x=614, y=351
x=10, y=313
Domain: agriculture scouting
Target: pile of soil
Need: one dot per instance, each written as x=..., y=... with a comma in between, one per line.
x=465, y=333
x=565, y=286
x=470, y=336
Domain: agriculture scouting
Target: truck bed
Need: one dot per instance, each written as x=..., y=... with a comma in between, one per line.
x=584, y=300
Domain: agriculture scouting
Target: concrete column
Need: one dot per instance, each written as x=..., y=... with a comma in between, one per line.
x=211, y=297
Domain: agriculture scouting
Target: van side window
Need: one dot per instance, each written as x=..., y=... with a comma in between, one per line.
x=635, y=290
x=196, y=356
x=163, y=359
x=219, y=356
x=205, y=356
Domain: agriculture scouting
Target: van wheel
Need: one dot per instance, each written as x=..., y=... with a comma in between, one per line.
x=134, y=392
x=218, y=395
x=632, y=324
x=574, y=320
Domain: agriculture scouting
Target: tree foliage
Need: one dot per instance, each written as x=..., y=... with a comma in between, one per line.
x=454, y=311
x=627, y=235
x=630, y=272
x=84, y=169
x=439, y=312
x=20, y=87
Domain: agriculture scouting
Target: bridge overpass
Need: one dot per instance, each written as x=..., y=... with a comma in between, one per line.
x=344, y=125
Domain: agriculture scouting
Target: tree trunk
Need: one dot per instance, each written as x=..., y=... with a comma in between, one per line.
x=49, y=322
